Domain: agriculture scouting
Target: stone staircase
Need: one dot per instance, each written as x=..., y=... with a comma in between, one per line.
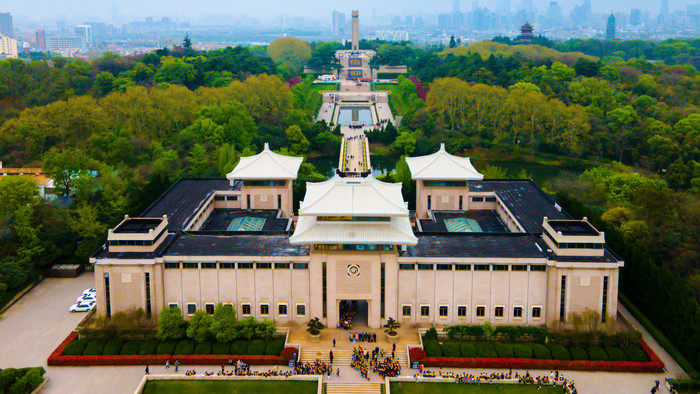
x=353, y=388
x=342, y=358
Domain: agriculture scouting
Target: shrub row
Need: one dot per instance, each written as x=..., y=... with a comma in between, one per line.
x=531, y=350
x=67, y=353
x=577, y=362
x=20, y=380
x=113, y=347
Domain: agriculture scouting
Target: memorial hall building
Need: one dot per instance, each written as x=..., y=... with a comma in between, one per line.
x=474, y=250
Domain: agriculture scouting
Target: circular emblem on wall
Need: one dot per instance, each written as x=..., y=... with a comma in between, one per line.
x=353, y=270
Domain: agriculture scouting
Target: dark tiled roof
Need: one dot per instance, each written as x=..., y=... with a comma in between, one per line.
x=220, y=219
x=103, y=253
x=528, y=203
x=192, y=244
x=573, y=227
x=488, y=220
x=138, y=225
x=183, y=199
x=475, y=245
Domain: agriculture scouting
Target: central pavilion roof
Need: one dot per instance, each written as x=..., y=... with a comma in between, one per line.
x=396, y=231
x=442, y=166
x=353, y=197
x=266, y=165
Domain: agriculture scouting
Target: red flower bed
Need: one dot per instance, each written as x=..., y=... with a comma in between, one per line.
x=653, y=365
x=58, y=359
x=416, y=354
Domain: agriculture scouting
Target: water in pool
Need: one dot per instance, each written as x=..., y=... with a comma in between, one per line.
x=354, y=115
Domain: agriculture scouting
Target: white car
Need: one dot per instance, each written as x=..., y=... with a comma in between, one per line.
x=90, y=291
x=85, y=298
x=82, y=307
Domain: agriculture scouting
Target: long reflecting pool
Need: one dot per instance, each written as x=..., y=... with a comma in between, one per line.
x=354, y=115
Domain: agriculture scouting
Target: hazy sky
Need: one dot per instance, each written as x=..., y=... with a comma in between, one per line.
x=37, y=10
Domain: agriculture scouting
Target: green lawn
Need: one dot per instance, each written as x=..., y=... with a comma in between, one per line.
x=314, y=98
x=229, y=386
x=484, y=388
x=395, y=102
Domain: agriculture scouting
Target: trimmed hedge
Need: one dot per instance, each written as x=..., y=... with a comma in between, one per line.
x=221, y=348
x=94, y=347
x=166, y=347
x=432, y=348
x=21, y=380
x=239, y=347
x=636, y=354
x=274, y=347
x=415, y=353
x=203, y=348
x=541, y=352
x=290, y=353
x=615, y=354
x=578, y=354
x=450, y=349
x=504, y=350
x=112, y=347
x=559, y=352
x=596, y=353
x=256, y=347
x=76, y=348
x=148, y=347
x=486, y=350
x=467, y=349
x=185, y=346
x=521, y=350
x=131, y=347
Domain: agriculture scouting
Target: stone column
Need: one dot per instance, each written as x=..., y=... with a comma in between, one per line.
x=355, y=30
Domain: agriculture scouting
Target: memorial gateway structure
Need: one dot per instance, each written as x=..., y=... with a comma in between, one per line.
x=474, y=250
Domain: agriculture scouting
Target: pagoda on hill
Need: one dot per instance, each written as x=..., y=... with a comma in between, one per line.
x=526, y=34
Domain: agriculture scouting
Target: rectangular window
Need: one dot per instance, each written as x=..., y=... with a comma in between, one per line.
x=604, y=310
x=172, y=305
x=208, y=265
x=219, y=198
x=538, y=267
x=498, y=311
x=562, y=299
x=407, y=267
x=231, y=198
x=190, y=265
x=518, y=312
x=300, y=266
x=480, y=311
x=264, y=183
x=425, y=267
x=107, y=296
x=490, y=199
x=382, y=290
x=461, y=311
x=282, y=309
x=227, y=265
x=264, y=265
x=428, y=202
x=445, y=183
x=460, y=203
x=482, y=267
x=281, y=266
x=443, y=310
x=518, y=267
x=279, y=201
x=463, y=267
x=191, y=309
x=171, y=265
x=324, y=285
x=536, y=312
x=477, y=199
x=209, y=308
x=301, y=309
x=245, y=265
x=406, y=311
x=148, y=293
x=500, y=267
x=248, y=201
x=444, y=267
x=424, y=310
x=245, y=309
x=264, y=309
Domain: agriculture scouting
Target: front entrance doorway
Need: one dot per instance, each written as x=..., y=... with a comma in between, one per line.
x=353, y=314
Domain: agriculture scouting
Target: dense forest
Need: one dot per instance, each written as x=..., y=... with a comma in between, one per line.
x=117, y=131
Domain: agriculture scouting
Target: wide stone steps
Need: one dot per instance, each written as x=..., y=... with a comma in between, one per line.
x=341, y=358
x=353, y=387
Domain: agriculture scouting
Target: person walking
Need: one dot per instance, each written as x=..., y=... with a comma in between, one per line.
x=177, y=365
x=333, y=343
x=167, y=365
x=393, y=348
x=337, y=372
x=147, y=373
x=331, y=357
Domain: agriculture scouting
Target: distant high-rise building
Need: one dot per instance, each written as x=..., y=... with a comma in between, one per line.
x=610, y=29
x=444, y=21
x=8, y=47
x=635, y=17
x=664, y=8
x=554, y=13
x=84, y=31
x=455, y=6
x=40, y=39
x=6, y=28
x=338, y=25
x=58, y=43
x=409, y=20
x=581, y=14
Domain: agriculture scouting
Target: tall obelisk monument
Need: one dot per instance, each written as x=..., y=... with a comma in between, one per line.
x=355, y=30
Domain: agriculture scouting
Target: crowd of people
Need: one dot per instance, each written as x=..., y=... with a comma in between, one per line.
x=362, y=337
x=315, y=368
x=467, y=378
x=364, y=361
